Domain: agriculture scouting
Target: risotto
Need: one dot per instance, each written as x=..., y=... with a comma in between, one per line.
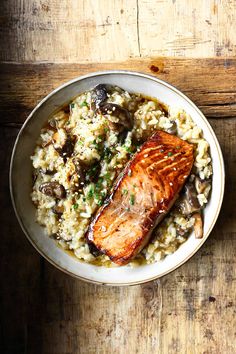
x=81, y=151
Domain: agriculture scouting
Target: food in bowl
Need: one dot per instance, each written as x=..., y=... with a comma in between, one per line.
x=143, y=194
x=81, y=154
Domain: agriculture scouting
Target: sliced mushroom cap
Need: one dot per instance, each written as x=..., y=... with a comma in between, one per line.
x=58, y=210
x=78, y=179
x=79, y=168
x=173, y=128
x=93, y=173
x=198, y=226
x=64, y=145
x=121, y=113
x=189, y=203
x=58, y=120
x=93, y=249
x=99, y=95
x=53, y=189
x=202, y=186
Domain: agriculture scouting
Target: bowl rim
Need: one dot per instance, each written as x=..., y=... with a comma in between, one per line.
x=168, y=86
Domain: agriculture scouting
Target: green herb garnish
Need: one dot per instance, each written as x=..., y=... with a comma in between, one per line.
x=132, y=199
x=170, y=153
x=90, y=192
x=75, y=206
x=99, y=183
x=83, y=104
x=124, y=191
x=72, y=105
x=95, y=144
x=107, y=153
x=128, y=148
x=107, y=176
x=99, y=202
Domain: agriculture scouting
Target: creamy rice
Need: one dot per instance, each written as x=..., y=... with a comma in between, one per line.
x=104, y=151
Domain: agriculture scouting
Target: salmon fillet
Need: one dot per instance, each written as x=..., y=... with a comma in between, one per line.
x=141, y=197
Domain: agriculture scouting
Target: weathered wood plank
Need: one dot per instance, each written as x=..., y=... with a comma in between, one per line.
x=192, y=310
x=210, y=83
x=101, y=30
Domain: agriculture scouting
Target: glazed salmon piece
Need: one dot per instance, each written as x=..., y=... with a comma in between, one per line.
x=141, y=197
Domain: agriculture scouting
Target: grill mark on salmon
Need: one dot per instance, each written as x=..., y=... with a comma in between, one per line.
x=153, y=178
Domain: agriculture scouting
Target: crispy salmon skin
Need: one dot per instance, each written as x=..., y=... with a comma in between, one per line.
x=141, y=197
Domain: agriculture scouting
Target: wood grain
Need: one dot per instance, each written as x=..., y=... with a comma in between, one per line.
x=100, y=30
x=45, y=43
x=191, y=310
x=210, y=83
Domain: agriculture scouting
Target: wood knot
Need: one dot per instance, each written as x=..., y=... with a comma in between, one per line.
x=154, y=68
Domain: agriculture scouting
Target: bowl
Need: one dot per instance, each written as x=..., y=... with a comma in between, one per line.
x=21, y=178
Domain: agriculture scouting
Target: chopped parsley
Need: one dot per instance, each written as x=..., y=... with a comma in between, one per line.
x=99, y=183
x=103, y=194
x=170, y=153
x=83, y=104
x=93, y=170
x=72, y=105
x=95, y=144
x=99, y=202
x=90, y=193
x=107, y=176
x=124, y=191
x=128, y=148
x=178, y=147
x=75, y=206
x=132, y=199
x=107, y=153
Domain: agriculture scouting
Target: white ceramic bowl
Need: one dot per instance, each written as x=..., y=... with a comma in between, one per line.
x=21, y=178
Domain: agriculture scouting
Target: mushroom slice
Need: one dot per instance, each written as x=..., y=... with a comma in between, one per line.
x=63, y=144
x=53, y=189
x=121, y=113
x=94, y=250
x=198, y=225
x=202, y=186
x=79, y=169
x=59, y=119
x=189, y=203
x=173, y=128
x=100, y=93
x=58, y=210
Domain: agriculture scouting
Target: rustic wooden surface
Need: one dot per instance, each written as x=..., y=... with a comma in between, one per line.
x=101, y=30
x=190, y=311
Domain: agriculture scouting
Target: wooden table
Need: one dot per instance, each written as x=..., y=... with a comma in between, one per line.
x=45, y=43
